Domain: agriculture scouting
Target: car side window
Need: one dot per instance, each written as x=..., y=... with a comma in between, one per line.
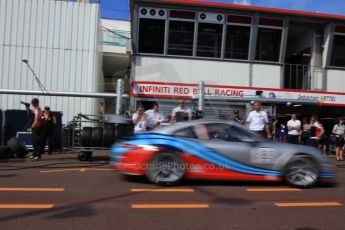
x=228, y=133
x=186, y=132
x=240, y=135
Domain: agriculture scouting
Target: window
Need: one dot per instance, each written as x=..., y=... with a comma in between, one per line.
x=338, y=50
x=237, y=42
x=181, y=37
x=268, y=44
x=209, y=40
x=229, y=133
x=186, y=132
x=151, y=36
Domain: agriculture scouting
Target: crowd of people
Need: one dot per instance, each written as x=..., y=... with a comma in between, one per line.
x=41, y=124
x=309, y=132
x=147, y=120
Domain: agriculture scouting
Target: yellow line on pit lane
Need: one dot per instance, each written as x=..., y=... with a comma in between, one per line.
x=168, y=206
x=163, y=190
x=274, y=190
x=308, y=204
x=32, y=189
x=77, y=169
x=26, y=206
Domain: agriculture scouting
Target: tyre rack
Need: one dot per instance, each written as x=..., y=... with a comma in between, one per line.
x=73, y=134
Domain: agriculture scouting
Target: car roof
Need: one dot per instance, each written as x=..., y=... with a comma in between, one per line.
x=170, y=129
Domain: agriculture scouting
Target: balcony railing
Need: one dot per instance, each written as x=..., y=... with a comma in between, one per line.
x=304, y=77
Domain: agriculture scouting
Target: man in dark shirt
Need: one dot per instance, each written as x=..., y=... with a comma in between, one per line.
x=49, y=121
x=237, y=118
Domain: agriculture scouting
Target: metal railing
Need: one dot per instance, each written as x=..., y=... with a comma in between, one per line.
x=297, y=76
x=304, y=77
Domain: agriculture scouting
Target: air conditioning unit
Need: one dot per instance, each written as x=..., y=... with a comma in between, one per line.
x=211, y=17
x=147, y=12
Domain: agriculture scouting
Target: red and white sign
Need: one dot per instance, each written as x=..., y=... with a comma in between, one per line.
x=180, y=90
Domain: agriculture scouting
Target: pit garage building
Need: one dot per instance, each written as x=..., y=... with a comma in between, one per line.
x=239, y=52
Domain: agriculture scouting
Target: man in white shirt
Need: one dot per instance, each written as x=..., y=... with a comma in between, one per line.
x=294, y=128
x=181, y=113
x=257, y=121
x=154, y=116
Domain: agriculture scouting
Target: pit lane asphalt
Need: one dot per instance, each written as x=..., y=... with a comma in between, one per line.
x=88, y=195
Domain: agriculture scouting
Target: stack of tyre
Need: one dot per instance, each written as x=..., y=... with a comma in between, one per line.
x=104, y=136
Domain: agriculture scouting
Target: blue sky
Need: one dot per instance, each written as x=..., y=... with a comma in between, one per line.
x=119, y=9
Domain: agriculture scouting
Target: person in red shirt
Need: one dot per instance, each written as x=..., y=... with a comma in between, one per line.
x=317, y=132
x=37, y=131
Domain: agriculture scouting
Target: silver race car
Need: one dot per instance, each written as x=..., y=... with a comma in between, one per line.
x=218, y=150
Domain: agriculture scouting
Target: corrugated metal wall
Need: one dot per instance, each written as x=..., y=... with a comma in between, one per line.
x=61, y=41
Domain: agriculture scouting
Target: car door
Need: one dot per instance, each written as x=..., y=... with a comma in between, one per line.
x=240, y=145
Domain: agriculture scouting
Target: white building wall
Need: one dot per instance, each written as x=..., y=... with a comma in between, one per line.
x=59, y=39
x=267, y=76
x=336, y=81
x=162, y=69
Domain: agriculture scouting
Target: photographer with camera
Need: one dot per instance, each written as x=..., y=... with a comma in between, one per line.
x=29, y=114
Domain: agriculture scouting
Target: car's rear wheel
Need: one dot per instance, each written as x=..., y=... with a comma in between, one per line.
x=166, y=169
x=301, y=172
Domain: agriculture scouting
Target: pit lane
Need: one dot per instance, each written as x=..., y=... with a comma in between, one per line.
x=61, y=192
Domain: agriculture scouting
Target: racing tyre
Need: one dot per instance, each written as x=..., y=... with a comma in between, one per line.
x=120, y=131
x=85, y=137
x=123, y=130
x=301, y=172
x=166, y=169
x=96, y=137
x=108, y=135
x=17, y=147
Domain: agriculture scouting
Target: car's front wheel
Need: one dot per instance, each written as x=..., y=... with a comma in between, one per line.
x=166, y=169
x=301, y=172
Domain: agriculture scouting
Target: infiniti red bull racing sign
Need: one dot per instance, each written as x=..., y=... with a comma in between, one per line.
x=181, y=90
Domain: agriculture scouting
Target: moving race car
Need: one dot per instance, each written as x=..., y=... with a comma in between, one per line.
x=217, y=150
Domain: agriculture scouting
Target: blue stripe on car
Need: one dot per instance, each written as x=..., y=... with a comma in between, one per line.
x=200, y=151
x=327, y=175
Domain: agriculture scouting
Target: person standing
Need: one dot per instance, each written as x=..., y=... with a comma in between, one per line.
x=281, y=133
x=139, y=120
x=154, y=117
x=49, y=122
x=237, y=118
x=294, y=128
x=272, y=123
x=258, y=122
x=316, y=131
x=339, y=132
x=37, y=131
x=181, y=113
x=305, y=133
